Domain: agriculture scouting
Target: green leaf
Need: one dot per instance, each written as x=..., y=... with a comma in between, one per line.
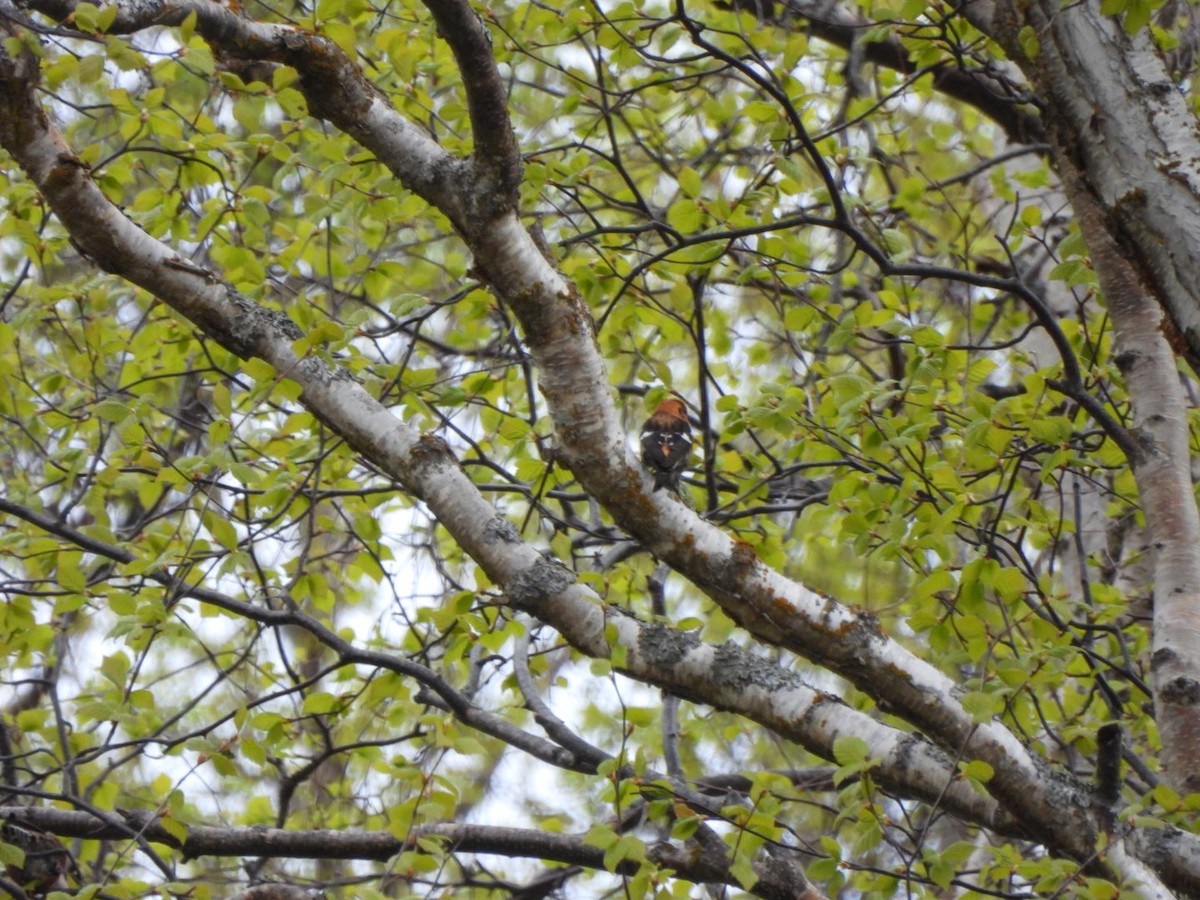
x=743, y=871
x=626, y=848
x=319, y=703
x=978, y=770
x=601, y=836
x=173, y=827
x=850, y=749
x=983, y=706
x=199, y=57
x=685, y=216
x=115, y=667
x=283, y=76
x=11, y=855
x=112, y=411
x=1028, y=40
x=87, y=17
x=689, y=182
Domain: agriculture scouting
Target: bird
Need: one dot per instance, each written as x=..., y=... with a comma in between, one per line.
x=47, y=861
x=667, y=443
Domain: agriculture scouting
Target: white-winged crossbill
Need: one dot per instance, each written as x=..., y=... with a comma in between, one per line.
x=667, y=443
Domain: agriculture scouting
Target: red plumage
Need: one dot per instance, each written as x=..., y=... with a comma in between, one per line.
x=667, y=443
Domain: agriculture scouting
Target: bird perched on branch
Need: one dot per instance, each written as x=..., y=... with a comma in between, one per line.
x=667, y=443
x=47, y=862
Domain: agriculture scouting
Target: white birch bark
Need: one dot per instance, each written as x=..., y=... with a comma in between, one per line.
x=558, y=329
x=1125, y=146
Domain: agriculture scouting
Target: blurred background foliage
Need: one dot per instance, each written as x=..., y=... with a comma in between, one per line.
x=894, y=441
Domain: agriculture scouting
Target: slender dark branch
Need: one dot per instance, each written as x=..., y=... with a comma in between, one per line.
x=202, y=840
x=980, y=88
x=496, y=156
x=13, y=889
x=771, y=86
x=348, y=653
x=555, y=727
x=1109, y=741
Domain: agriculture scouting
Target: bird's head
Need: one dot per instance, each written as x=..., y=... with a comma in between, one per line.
x=673, y=406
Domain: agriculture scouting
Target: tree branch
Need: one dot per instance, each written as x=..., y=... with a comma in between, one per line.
x=1110, y=98
x=574, y=380
x=980, y=88
x=1133, y=208
x=496, y=156
x=210, y=841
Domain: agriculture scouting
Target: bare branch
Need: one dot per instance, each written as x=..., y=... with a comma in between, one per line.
x=981, y=88
x=205, y=841
x=496, y=157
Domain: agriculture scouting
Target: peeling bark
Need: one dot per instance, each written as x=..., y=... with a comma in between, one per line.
x=1125, y=146
x=558, y=327
x=1115, y=116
